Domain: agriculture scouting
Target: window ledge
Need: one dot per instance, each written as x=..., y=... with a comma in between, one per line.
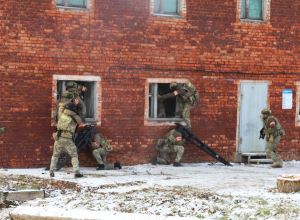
x=165, y=119
x=167, y=15
x=90, y=120
x=75, y=8
x=251, y=20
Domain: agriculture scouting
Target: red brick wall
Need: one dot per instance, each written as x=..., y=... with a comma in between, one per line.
x=37, y=41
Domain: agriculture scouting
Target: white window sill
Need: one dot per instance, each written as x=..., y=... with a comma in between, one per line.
x=72, y=8
x=167, y=15
x=165, y=119
x=251, y=20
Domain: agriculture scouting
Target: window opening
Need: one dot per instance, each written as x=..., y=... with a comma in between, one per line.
x=166, y=6
x=161, y=109
x=89, y=97
x=71, y=3
x=251, y=9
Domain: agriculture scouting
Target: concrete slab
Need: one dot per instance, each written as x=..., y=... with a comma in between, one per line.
x=25, y=195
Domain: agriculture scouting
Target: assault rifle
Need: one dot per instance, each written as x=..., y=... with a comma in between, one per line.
x=83, y=138
x=198, y=143
x=262, y=134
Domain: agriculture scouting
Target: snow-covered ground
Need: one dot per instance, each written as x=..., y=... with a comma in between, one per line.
x=202, y=190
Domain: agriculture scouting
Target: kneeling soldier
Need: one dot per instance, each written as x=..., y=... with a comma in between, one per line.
x=100, y=149
x=273, y=131
x=66, y=127
x=171, y=143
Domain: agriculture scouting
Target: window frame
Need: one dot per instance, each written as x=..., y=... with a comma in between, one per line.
x=66, y=4
x=297, y=115
x=96, y=99
x=148, y=121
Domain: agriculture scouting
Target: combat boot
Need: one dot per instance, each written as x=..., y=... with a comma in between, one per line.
x=276, y=164
x=101, y=167
x=78, y=175
x=153, y=160
x=51, y=174
x=117, y=164
x=177, y=164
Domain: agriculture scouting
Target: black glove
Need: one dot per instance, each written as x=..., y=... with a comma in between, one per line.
x=82, y=118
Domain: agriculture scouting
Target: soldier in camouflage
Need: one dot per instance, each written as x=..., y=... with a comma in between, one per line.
x=187, y=97
x=100, y=149
x=2, y=129
x=77, y=90
x=273, y=131
x=171, y=143
x=73, y=94
x=68, y=123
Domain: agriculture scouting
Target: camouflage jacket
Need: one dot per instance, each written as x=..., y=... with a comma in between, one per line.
x=98, y=141
x=67, y=122
x=272, y=127
x=174, y=138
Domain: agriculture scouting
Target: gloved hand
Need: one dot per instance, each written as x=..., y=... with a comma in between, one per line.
x=159, y=97
x=82, y=118
x=271, y=139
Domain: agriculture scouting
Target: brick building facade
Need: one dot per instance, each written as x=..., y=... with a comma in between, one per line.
x=205, y=42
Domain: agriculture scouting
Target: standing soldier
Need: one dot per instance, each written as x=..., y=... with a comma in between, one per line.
x=66, y=127
x=171, y=143
x=100, y=149
x=2, y=129
x=273, y=131
x=77, y=90
x=72, y=94
x=187, y=97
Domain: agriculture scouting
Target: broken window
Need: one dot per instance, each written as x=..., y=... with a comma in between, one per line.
x=170, y=7
x=71, y=3
x=162, y=110
x=252, y=9
x=89, y=97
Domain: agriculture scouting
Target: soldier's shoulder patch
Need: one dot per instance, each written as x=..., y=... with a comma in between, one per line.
x=175, y=92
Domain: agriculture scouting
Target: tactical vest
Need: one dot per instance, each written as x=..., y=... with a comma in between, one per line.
x=278, y=128
x=66, y=98
x=175, y=138
x=192, y=96
x=66, y=126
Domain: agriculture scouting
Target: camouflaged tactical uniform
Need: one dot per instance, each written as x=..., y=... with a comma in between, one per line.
x=187, y=98
x=100, y=149
x=2, y=130
x=170, y=144
x=81, y=108
x=273, y=132
x=67, y=123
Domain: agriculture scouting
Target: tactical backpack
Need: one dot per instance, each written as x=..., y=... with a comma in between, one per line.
x=192, y=95
x=66, y=97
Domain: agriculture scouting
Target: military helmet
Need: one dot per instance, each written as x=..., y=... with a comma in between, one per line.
x=266, y=111
x=70, y=106
x=173, y=85
x=71, y=84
